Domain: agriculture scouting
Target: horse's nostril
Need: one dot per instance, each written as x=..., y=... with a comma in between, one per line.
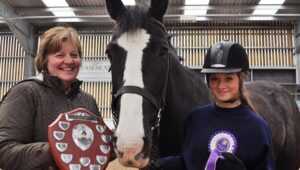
x=129, y=162
x=120, y=154
x=139, y=156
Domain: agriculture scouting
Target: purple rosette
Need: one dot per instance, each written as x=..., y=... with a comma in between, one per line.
x=221, y=141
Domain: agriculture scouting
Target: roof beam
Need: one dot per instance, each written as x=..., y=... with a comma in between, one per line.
x=297, y=50
x=23, y=31
x=20, y=27
x=297, y=37
x=168, y=17
x=170, y=8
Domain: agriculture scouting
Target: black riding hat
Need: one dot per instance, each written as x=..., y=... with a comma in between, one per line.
x=225, y=57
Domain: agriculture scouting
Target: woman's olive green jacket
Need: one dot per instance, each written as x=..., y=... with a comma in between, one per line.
x=25, y=113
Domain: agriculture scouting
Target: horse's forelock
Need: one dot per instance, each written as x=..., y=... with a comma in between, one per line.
x=137, y=17
x=134, y=18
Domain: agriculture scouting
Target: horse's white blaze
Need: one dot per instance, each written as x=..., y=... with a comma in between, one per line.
x=130, y=129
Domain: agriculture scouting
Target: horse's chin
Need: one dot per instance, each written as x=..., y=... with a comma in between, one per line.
x=134, y=164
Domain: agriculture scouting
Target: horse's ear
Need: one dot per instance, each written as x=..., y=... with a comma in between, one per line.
x=158, y=8
x=115, y=8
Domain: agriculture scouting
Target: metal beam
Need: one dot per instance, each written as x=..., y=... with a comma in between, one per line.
x=168, y=17
x=23, y=31
x=22, y=10
x=21, y=28
x=297, y=37
x=297, y=50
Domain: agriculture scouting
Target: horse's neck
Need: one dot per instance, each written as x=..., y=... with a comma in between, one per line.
x=185, y=89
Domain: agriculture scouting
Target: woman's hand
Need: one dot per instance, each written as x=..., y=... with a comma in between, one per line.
x=154, y=165
x=230, y=162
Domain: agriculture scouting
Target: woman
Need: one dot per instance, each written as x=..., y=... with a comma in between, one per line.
x=31, y=105
x=227, y=134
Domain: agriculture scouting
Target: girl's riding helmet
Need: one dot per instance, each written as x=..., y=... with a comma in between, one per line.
x=225, y=57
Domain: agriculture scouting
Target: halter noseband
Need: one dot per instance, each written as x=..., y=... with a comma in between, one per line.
x=158, y=105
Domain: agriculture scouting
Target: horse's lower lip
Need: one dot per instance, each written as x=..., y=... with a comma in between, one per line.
x=135, y=164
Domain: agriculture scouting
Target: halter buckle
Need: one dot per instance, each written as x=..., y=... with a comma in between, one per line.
x=157, y=123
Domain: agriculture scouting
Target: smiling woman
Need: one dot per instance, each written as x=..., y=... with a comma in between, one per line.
x=226, y=126
x=33, y=104
x=225, y=87
x=65, y=63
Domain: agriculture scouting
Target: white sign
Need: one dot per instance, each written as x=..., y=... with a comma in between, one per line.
x=94, y=70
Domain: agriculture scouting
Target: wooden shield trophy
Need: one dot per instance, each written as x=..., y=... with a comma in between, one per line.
x=79, y=140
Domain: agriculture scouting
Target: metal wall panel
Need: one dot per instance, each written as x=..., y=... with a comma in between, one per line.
x=12, y=58
x=267, y=48
x=93, y=48
x=102, y=93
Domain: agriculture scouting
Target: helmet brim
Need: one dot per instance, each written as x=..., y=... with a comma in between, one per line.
x=220, y=70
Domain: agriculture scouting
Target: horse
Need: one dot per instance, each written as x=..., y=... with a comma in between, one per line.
x=153, y=93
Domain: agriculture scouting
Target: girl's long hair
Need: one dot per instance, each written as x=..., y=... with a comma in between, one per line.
x=243, y=91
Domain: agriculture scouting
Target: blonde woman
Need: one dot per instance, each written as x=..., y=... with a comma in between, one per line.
x=227, y=134
x=31, y=105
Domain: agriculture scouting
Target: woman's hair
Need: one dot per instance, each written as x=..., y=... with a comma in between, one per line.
x=244, y=92
x=51, y=42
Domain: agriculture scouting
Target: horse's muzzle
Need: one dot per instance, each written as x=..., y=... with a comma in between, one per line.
x=129, y=157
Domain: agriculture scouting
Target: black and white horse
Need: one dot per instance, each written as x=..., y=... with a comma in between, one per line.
x=153, y=92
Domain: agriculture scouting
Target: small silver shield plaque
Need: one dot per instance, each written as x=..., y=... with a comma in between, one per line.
x=83, y=136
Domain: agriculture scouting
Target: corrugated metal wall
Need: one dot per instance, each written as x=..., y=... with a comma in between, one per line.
x=94, y=46
x=271, y=48
x=11, y=62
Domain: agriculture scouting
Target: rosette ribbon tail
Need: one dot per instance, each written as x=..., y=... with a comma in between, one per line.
x=212, y=160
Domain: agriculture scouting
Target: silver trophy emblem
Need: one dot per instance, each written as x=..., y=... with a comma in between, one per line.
x=83, y=136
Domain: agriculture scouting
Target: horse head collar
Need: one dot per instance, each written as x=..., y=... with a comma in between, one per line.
x=157, y=104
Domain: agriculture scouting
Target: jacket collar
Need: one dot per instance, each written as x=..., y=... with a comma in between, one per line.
x=54, y=83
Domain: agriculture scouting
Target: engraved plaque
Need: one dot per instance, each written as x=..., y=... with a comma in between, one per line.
x=79, y=140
